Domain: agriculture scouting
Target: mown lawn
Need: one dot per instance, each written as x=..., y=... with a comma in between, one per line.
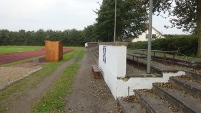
x=11, y=49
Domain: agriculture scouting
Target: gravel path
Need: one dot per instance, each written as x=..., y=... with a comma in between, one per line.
x=9, y=75
x=23, y=105
x=89, y=95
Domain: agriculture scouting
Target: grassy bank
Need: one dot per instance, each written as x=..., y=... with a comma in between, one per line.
x=54, y=100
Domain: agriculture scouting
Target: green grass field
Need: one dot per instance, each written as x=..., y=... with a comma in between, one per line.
x=11, y=49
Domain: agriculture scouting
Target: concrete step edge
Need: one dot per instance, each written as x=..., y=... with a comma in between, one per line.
x=130, y=107
x=194, y=76
x=155, y=105
x=185, y=85
x=174, y=100
x=144, y=103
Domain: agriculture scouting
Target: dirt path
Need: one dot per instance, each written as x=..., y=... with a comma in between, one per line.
x=89, y=95
x=23, y=105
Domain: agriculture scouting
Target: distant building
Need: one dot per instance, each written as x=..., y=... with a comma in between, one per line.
x=144, y=36
x=91, y=44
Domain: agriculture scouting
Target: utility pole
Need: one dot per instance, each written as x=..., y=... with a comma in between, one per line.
x=115, y=20
x=149, y=37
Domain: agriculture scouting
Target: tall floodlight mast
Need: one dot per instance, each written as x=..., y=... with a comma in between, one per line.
x=115, y=20
x=149, y=37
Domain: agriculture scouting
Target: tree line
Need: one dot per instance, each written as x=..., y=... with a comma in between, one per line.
x=71, y=37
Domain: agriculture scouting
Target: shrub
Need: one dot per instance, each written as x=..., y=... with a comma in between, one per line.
x=185, y=44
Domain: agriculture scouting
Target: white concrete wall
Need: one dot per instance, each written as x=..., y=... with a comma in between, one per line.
x=115, y=65
x=115, y=59
x=114, y=72
x=140, y=83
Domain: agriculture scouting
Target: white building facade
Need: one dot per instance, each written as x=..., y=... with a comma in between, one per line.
x=144, y=36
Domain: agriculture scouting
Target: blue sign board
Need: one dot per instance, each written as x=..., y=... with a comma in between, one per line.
x=104, y=54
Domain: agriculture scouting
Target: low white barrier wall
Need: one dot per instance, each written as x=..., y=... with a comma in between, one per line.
x=127, y=87
x=112, y=62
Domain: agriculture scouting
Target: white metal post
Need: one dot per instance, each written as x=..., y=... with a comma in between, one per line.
x=115, y=20
x=150, y=37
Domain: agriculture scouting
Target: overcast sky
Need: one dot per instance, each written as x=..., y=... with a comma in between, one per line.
x=57, y=15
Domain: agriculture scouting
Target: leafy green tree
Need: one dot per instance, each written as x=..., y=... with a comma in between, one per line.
x=74, y=35
x=65, y=40
x=131, y=19
x=22, y=38
x=4, y=37
x=29, y=38
x=187, y=15
x=40, y=37
x=89, y=33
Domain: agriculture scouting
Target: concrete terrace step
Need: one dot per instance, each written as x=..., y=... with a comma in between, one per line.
x=194, y=76
x=155, y=66
x=128, y=105
x=187, y=84
x=153, y=103
x=180, y=99
x=97, y=55
x=94, y=51
x=195, y=64
x=163, y=68
x=132, y=71
x=182, y=93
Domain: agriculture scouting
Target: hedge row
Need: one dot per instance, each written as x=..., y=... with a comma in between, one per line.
x=186, y=45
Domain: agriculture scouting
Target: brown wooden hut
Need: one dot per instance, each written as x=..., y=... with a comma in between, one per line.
x=53, y=51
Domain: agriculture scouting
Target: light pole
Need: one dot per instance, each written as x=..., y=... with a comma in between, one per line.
x=149, y=37
x=115, y=20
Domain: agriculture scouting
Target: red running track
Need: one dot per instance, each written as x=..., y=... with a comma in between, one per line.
x=13, y=57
